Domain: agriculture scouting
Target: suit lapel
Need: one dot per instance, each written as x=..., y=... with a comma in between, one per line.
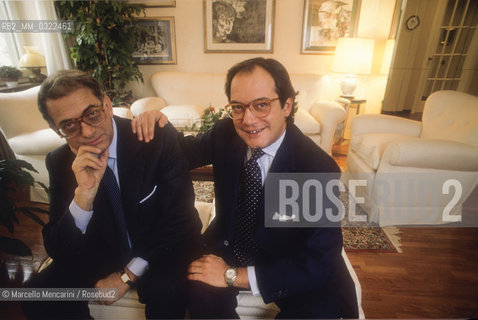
x=284, y=160
x=235, y=158
x=130, y=172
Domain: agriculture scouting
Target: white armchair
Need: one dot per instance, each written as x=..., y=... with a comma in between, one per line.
x=409, y=165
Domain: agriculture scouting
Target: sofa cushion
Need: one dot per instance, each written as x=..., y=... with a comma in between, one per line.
x=182, y=116
x=36, y=143
x=369, y=147
x=147, y=104
x=306, y=123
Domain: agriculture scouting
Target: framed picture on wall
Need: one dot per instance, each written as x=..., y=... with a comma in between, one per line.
x=238, y=26
x=327, y=20
x=157, y=44
x=155, y=3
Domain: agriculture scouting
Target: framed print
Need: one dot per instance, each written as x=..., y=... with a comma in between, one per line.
x=157, y=45
x=155, y=3
x=238, y=26
x=327, y=20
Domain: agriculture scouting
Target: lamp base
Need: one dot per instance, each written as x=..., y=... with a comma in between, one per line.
x=37, y=76
x=348, y=85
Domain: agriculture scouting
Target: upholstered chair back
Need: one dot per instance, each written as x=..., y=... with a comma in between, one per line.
x=19, y=113
x=451, y=115
x=205, y=89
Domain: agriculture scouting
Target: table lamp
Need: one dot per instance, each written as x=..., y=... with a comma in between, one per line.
x=352, y=56
x=34, y=61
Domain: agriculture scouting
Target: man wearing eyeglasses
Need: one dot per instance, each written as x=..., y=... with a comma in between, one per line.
x=300, y=269
x=121, y=211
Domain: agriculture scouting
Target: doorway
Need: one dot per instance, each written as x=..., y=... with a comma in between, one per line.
x=437, y=49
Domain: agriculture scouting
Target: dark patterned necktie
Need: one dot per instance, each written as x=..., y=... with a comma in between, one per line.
x=113, y=192
x=250, y=190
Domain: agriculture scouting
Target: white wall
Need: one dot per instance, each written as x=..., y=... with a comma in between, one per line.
x=375, y=20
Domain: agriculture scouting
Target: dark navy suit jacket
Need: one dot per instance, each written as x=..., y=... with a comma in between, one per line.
x=302, y=269
x=157, y=198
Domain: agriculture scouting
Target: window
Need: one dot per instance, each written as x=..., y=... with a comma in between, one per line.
x=8, y=48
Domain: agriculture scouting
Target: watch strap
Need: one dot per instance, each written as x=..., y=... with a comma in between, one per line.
x=126, y=279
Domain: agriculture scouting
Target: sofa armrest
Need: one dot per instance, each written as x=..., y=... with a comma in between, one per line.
x=427, y=153
x=379, y=123
x=38, y=142
x=147, y=104
x=329, y=114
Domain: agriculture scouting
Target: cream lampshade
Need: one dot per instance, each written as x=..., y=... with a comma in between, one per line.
x=33, y=60
x=352, y=56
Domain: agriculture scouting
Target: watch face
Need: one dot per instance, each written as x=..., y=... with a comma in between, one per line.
x=125, y=277
x=230, y=273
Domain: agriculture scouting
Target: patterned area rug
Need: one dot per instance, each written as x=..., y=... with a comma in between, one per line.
x=368, y=236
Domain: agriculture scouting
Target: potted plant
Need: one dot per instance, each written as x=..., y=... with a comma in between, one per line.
x=103, y=42
x=13, y=177
x=209, y=118
x=10, y=75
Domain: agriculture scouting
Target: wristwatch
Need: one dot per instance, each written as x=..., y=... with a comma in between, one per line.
x=126, y=279
x=230, y=276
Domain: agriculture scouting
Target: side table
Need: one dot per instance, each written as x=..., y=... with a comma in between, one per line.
x=352, y=109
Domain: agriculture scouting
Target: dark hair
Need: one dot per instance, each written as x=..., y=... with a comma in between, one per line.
x=63, y=83
x=283, y=85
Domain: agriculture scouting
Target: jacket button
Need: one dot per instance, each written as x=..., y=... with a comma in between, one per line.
x=226, y=243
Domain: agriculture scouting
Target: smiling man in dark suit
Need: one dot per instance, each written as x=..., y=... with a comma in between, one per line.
x=121, y=212
x=300, y=269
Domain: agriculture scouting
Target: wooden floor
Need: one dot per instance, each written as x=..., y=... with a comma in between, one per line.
x=436, y=276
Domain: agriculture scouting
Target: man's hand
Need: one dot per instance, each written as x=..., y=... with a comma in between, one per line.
x=208, y=269
x=143, y=125
x=89, y=167
x=114, y=281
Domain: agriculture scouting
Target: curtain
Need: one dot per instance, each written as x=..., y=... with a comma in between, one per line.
x=51, y=45
x=56, y=54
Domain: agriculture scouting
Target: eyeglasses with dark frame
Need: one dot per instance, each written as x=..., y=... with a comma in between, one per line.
x=93, y=116
x=260, y=108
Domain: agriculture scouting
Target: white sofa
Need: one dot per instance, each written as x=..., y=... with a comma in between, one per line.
x=29, y=135
x=183, y=96
x=248, y=306
x=414, y=160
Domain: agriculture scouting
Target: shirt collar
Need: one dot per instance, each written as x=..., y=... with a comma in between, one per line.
x=112, y=149
x=270, y=149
